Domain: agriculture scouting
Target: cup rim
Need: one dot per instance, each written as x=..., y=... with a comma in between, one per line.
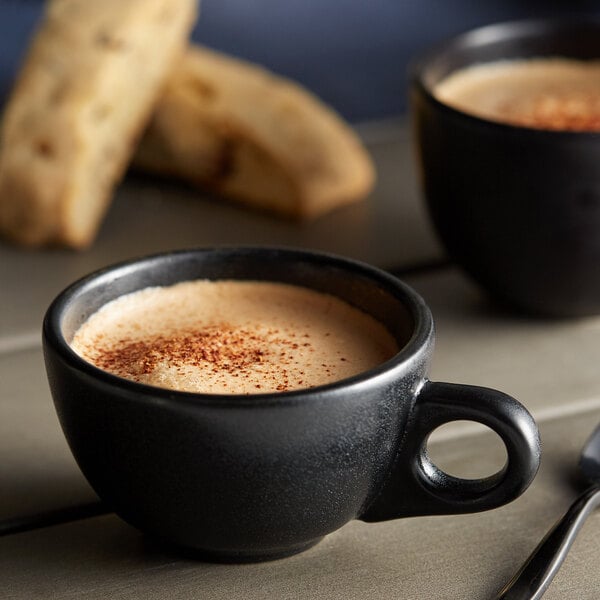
x=416, y=345
x=495, y=32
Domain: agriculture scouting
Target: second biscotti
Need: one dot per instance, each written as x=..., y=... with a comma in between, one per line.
x=238, y=129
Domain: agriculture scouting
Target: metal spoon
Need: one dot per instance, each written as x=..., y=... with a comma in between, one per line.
x=534, y=577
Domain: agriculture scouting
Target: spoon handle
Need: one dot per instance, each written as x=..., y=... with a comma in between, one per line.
x=534, y=577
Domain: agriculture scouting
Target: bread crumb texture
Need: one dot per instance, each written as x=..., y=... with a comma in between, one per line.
x=86, y=89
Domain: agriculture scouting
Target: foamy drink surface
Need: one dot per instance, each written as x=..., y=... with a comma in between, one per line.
x=543, y=93
x=233, y=337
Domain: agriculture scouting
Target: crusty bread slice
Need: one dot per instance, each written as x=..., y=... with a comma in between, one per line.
x=250, y=135
x=86, y=90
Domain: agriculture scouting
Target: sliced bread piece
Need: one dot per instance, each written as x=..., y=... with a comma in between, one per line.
x=86, y=90
x=240, y=130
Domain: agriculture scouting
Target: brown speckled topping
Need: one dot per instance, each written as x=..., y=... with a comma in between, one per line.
x=233, y=337
x=541, y=93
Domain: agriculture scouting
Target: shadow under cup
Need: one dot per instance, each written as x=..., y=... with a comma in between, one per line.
x=518, y=208
x=257, y=477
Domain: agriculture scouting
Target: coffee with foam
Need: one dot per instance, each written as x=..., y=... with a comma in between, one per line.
x=542, y=93
x=233, y=337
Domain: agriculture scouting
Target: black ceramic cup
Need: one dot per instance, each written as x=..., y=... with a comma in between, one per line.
x=263, y=476
x=518, y=208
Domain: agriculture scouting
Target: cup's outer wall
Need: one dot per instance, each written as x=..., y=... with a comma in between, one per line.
x=237, y=477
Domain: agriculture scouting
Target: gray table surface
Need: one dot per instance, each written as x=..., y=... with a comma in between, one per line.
x=551, y=366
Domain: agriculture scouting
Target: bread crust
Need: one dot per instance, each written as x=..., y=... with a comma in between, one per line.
x=85, y=92
x=263, y=140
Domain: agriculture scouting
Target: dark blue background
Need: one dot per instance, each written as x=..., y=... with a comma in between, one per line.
x=353, y=53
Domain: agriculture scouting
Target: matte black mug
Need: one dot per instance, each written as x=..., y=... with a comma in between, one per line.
x=264, y=476
x=518, y=208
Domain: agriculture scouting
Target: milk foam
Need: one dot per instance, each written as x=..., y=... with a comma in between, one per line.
x=233, y=337
x=546, y=93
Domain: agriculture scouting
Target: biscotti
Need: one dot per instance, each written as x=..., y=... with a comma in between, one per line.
x=86, y=90
x=235, y=128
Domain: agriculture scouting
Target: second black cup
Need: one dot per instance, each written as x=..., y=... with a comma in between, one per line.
x=518, y=208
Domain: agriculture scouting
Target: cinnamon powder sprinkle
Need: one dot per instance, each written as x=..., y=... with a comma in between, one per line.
x=573, y=111
x=222, y=348
x=549, y=93
x=226, y=349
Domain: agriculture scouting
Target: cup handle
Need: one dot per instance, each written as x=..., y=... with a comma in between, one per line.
x=415, y=486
